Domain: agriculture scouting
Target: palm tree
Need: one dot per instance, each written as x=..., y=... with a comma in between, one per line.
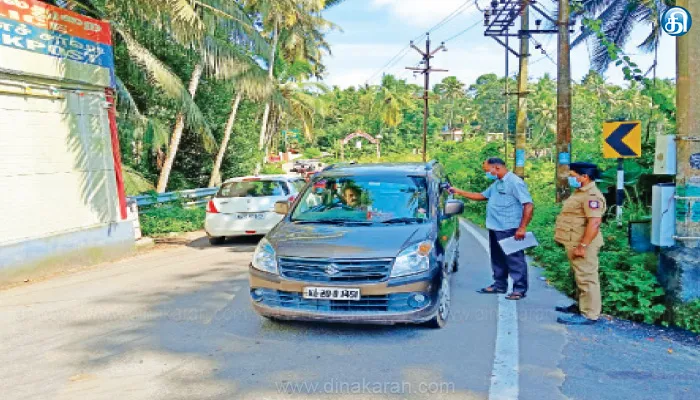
x=393, y=97
x=299, y=24
x=193, y=24
x=450, y=89
x=235, y=21
x=619, y=18
x=253, y=85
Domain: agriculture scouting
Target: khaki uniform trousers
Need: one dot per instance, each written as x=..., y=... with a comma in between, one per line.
x=585, y=271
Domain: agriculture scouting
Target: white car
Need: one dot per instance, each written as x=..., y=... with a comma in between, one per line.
x=246, y=206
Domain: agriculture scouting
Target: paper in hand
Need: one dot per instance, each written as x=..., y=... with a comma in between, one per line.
x=510, y=245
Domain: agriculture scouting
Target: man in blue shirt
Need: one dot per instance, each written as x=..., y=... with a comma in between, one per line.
x=508, y=213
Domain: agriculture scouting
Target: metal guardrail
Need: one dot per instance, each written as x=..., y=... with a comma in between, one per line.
x=190, y=198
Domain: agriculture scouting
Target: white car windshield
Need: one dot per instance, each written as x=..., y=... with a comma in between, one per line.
x=367, y=199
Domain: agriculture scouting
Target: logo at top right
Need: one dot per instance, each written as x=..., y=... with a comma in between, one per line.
x=676, y=21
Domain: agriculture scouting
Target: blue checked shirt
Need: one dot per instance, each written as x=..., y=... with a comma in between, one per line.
x=506, y=198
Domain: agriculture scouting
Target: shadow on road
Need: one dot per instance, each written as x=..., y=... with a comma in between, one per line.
x=234, y=244
x=202, y=339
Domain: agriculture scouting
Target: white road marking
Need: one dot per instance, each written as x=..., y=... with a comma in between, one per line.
x=504, y=377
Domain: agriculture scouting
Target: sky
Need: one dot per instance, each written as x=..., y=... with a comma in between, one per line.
x=374, y=31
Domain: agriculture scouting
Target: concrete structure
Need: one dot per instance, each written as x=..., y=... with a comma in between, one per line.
x=455, y=135
x=60, y=169
x=679, y=269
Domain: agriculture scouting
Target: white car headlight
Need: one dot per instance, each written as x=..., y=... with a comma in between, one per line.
x=264, y=258
x=412, y=260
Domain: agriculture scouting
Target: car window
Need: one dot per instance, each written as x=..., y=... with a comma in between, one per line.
x=298, y=185
x=253, y=189
x=364, y=198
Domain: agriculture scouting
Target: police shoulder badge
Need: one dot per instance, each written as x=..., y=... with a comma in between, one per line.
x=594, y=204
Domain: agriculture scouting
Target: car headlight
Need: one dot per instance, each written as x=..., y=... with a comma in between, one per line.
x=412, y=260
x=264, y=258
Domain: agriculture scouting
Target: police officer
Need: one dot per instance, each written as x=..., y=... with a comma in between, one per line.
x=578, y=230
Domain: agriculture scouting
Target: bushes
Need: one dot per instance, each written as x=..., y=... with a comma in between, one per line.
x=171, y=218
x=272, y=169
x=687, y=316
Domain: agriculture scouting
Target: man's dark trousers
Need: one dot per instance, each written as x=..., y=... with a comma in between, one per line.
x=504, y=265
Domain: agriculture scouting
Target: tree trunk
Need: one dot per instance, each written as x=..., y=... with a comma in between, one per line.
x=271, y=76
x=215, y=178
x=177, y=132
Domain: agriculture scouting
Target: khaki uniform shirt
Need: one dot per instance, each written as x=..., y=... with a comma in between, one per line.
x=587, y=202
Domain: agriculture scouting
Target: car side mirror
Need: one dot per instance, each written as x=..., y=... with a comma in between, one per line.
x=454, y=207
x=282, y=207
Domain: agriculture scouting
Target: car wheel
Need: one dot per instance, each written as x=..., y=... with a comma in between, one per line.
x=215, y=241
x=444, y=300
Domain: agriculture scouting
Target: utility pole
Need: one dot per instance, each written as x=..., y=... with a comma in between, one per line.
x=521, y=120
x=506, y=131
x=680, y=264
x=426, y=70
x=563, y=104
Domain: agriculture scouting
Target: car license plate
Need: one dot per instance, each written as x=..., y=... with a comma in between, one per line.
x=331, y=293
x=251, y=216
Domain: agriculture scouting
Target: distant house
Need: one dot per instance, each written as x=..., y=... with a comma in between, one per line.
x=494, y=136
x=455, y=135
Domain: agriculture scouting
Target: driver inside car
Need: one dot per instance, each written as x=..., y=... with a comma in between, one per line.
x=351, y=196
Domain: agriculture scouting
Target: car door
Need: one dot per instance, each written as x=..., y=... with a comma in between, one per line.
x=449, y=227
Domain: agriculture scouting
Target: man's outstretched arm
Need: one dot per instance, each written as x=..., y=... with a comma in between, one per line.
x=469, y=195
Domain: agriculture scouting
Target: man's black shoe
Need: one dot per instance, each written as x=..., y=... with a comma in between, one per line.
x=572, y=309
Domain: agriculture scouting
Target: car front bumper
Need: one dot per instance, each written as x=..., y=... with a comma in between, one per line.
x=380, y=303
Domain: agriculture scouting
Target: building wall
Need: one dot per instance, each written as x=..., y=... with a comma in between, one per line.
x=56, y=164
x=57, y=175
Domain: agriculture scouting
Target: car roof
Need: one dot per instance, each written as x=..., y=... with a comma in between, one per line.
x=379, y=168
x=265, y=178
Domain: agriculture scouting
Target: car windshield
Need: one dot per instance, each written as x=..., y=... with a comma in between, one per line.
x=258, y=188
x=374, y=199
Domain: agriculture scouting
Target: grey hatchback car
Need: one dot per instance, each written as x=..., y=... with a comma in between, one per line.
x=362, y=243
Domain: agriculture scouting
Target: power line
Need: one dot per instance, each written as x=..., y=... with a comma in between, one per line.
x=461, y=9
x=398, y=57
x=402, y=53
x=464, y=31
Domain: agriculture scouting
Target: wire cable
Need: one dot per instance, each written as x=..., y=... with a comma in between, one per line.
x=402, y=53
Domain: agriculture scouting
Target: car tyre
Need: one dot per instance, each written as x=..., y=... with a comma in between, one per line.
x=444, y=299
x=218, y=240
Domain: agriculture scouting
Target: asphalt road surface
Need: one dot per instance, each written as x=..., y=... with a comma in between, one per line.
x=176, y=323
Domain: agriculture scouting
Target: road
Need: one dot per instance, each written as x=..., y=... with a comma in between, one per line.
x=176, y=323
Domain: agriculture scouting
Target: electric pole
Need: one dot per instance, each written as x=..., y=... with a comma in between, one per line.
x=426, y=70
x=563, y=104
x=521, y=120
x=506, y=131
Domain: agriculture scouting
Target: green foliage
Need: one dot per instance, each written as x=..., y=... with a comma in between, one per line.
x=687, y=316
x=312, y=152
x=272, y=169
x=171, y=218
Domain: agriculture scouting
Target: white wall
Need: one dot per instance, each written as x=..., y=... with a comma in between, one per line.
x=56, y=166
